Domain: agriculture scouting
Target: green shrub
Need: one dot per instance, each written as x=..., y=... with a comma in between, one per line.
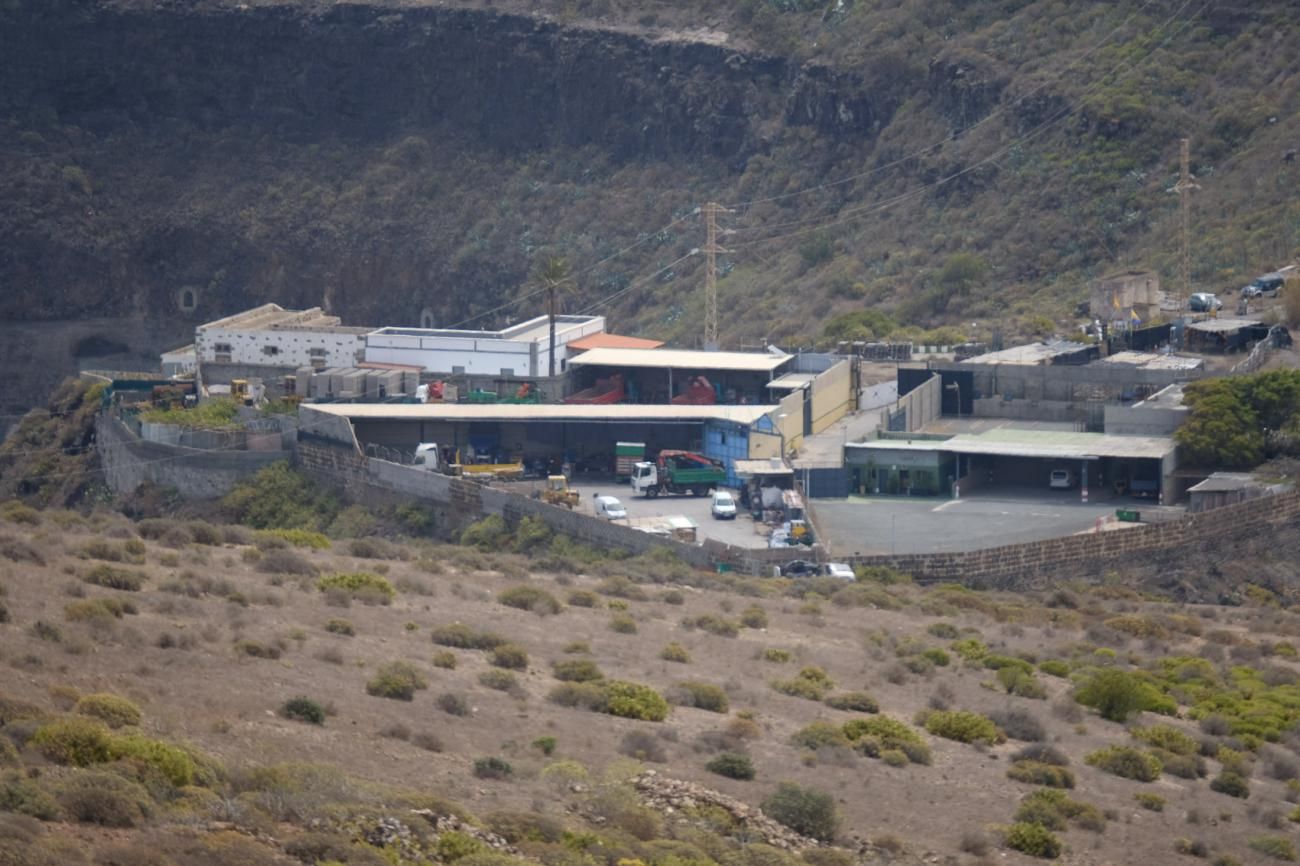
x=634, y=701
x=1055, y=668
x=812, y=684
x=944, y=630
x=454, y=845
x=1034, y=840
x=583, y=598
x=545, y=745
x=964, y=727
x=773, y=654
x=493, y=768
x=1017, y=681
x=87, y=609
x=806, y=811
x=753, y=617
x=712, y=624
x=577, y=670
x=675, y=652
x=1116, y=695
x=895, y=757
x=397, y=681
x=971, y=649
x=112, y=710
x=303, y=709
x=340, y=626
x=622, y=623
x=174, y=763
x=1125, y=762
x=1038, y=773
x=489, y=534
x=24, y=796
x=857, y=702
x=460, y=636
x=1054, y=810
x=937, y=657
x=107, y=799
x=76, y=741
x=509, y=655
x=256, y=649
x=881, y=733
x=279, y=497
x=445, y=659
x=361, y=585
x=115, y=578
x=1277, y=847
x=299, y=537
x=588, y=696
x=498, y=680
x=701, y=696
x=1167, y=737
x=1232, y=784
x=1151, y=802
x=732, y=765
x=819, y=735
x=530, y=598
x=453, y=704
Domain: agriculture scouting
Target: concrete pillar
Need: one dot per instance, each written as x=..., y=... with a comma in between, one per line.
x=1083, y=481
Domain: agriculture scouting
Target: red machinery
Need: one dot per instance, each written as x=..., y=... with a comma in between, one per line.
x=698, y=392
x=603, y=392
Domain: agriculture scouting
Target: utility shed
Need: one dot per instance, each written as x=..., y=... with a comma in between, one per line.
x=1224, y=335
x=1224, y=488
x=659, y=375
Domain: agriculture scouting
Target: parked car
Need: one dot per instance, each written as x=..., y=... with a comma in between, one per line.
x=1251, y=291
x=841, y=570
x=610, y=508
x=724, y=505
x=1204, y=302
x=800, y=568
x=1269, y=285
x=1062, y=479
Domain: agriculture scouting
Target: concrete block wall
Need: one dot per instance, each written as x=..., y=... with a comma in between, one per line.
x=129, y=461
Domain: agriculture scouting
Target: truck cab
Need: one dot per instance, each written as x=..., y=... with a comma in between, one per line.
x=427, y=456
x=645, y=479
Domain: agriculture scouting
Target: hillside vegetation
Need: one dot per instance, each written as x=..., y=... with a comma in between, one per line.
x=198, y=692
x=992, y=158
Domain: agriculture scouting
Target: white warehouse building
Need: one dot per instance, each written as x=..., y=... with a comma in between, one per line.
x=271, y=336
x=517, y=351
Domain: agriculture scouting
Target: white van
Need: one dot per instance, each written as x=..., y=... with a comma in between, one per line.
x=1062, y=479
x=610, y=508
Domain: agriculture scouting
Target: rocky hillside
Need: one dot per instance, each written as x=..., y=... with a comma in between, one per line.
x=403, y=162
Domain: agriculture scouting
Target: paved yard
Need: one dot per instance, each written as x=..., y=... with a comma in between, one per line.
x=899, y=525
x=739, y=532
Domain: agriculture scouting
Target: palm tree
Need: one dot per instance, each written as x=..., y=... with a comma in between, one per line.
x=552, y=273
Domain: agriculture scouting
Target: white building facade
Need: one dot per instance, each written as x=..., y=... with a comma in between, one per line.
x=270, y=336
x=520, y=350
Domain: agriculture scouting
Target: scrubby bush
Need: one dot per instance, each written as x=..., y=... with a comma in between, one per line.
x=303, y=709
x=453, y=704
x=1116, y=695
x=361, y=585
x=445, y=659
x=622, y=623
x=1055, y=668
x=588, y=696
x=1277, y=847
x=880, y=733
x=753, y=617
x=634, y=701
x=806, y=811
x=1034, y=840
x=1150, y=802
x=1232, y=784
x=701, y=696
x=732, y=765
x=812, y=684
x=340, y=626
x=489, y=534
x=675, y=652
x=819, y=735
x=256, y=649
x=944, y=630
x=583, y=598
x=115, y=578
x=97, y=797
x=280, y=561
x=1038, y=773
x=1043, y=753
x=774, y=654
x=396, y=680
x=1016, y=681
x=1054, y=810
x=857, y=702
x=530, y=598
x=713, y=624
x=1168, y=738
x=298, y=537
x=112, y=710
x=1019, y=725
x=1125, y=762
x=78, y=742
x=499, y=680
x=643, y=746
x=493, y=768
x=509, y=655
x=1183, y=766
x=964, y=727
x=460, y=636
x=577, y=670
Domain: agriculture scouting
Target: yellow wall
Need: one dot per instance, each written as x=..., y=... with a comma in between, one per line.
x=763, y=445
x=832, y=396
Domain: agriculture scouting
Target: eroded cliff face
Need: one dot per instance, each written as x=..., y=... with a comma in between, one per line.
x=359, y=156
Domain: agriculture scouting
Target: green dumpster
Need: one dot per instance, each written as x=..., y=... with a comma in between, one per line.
x=1128, y=515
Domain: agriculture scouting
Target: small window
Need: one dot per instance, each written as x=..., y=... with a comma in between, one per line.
x=222, y=348
x=318, y=363
x=270, y=350
x=507, y=372
x=458, y=371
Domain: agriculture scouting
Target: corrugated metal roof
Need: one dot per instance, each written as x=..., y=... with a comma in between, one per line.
x=618, y=412
x=612, y=341
x=1221, y=482
x=681, y=359
x=770, y=466
x=1155, y=361
x=791, y=381
x=1029, y=355
x=1007, y=442
x=1216, y=326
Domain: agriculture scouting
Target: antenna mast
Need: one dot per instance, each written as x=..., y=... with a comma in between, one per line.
x=711, y=250
x=1186, y=183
